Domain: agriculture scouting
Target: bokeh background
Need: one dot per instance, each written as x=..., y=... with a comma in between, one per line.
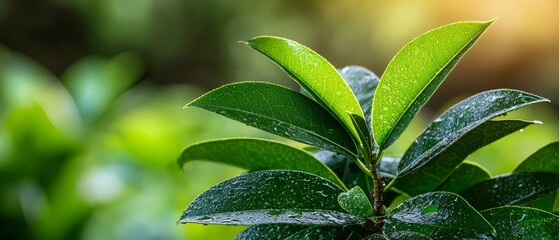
x=91, y=96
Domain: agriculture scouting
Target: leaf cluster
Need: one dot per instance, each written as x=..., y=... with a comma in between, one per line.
x=344, y=187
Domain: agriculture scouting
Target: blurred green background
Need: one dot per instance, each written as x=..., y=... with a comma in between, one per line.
x=91, y=96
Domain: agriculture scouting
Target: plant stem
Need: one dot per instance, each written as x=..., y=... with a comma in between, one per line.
x=378, y=202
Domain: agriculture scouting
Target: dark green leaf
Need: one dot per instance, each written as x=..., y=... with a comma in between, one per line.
x=365, y=136
x=356, y=202
x=314, y=73
x=436, y=214
x=363, y=83
x=512, y=222
x=286, y=231
x=432, y=170
x=407, y=235
x=545, y=159
x=460, y=119
x=265, y=197
x=270, y=232
x=415, y=73
x=257, y=154
x=509, y=189
x=346, y=169
x=464, y=176
x=278, y=110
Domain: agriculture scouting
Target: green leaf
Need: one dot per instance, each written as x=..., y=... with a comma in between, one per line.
x=407, y=235
x=512, y=222
x=510, y=189
x=464, y=176
x=432, y=170
x=270, y=232
x=266, y=197
x=257, y=154
x=414, y=74
x=323, y=233
x=363, y=83
x=314, y=73
x=545, y=159
x=280, y=111
x=365, y=136
x=436, y=214
x=356, y=202
x=460, y=119
x=346, y=169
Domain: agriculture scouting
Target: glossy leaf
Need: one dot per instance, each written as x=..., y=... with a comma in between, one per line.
x=346, y=169
x=363, y=83
x=460, y=119
x=270, y=232
x=414, y=74
x=266, y=197
x=314, y=73
x=324, y=233
x=446, y=158
x=515, y=188
x=356, y=202
x=280, y=111
x=545, y=159
x=464, y=176
x=406, y=235
x=512, y=222
x=364, y=135
x=257, y=154
x=436, y=214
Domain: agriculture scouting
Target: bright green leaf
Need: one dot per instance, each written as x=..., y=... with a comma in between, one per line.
x=314, y=73
x=464, y=176
x=432, y=170
x=436, y=214
x=280, y=111
x=510, y=189
x=415, y=73
x=257, y=154
x=512, y=222
x=356, y=202
x=458, y=121
x=266, y=197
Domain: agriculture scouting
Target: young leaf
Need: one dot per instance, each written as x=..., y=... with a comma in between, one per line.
x=280, y=111
x=509, y=189
x=356, y=202
x=512, y=222
x=436, y=214
x=545, y=159
x=415, y=73
x=314, y=73
x=363, y=83
x=464, y=176
x=257, y=154
x=266, y=197
x=432, y=170
x=459, y=120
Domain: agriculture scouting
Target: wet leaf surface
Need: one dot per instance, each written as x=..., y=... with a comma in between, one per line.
x=270, y=196
x=515, y=188
x=513, y=222
x=280, y=111
x=460, y=119
x=437, y=215
x=314, y=73
x=414, y=74
x=363, y=83
x=434, y=164
x=407, y=235
x=356, y=202
x=546, y=159
x=257, y=154
x=464, y=176
x=270, y=232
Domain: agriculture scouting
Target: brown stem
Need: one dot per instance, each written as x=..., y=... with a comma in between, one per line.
x=378, y=200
